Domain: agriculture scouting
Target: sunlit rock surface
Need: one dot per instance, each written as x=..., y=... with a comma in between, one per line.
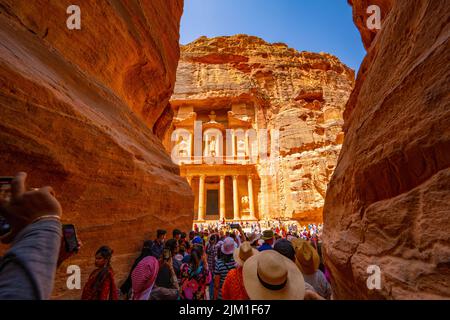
x=301, y=94
x=388, y=201
x=78, y=110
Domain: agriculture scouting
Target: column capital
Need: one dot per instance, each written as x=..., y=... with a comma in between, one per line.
x=235, y=176
x=202, y=176
x=251, y=176
x=222, y=176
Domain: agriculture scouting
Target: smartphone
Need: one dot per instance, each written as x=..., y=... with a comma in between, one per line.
x=70, y=238
x=5, y=195
x=235, y=226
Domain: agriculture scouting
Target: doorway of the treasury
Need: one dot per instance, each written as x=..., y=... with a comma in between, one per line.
x=223, y=193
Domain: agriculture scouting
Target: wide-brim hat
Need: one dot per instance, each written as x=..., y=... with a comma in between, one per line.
x=244, y=252
x=267, y=235
x=306, y=258
x=271, y=276
x=297, y=242
x=252, y=237
x=228, y=246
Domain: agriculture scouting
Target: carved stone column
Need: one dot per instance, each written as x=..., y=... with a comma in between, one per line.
x=222, y=198
x=235, y=198
x=201, y=199
x=250, y=197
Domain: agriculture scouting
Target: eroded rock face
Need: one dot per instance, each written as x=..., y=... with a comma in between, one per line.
x=388, y=201
x=301, y=94
x=361, y=14
x=78, y=110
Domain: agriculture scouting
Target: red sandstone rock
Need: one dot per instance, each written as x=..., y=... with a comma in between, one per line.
x=301, y=94
x=360, y=16
x=77, y=112
x=388, y=201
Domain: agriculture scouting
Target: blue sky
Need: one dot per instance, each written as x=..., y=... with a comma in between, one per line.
x=310, y=25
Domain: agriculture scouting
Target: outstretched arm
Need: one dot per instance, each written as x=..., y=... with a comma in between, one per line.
x=27, y=270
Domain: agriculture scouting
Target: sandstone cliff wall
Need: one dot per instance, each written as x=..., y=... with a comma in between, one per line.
x=77, y=111
x=301, y=94
x=388, y=201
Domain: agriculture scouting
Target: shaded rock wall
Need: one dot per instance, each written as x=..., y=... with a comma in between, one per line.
x=77, y=112
x=301, y=94
x=388, y=201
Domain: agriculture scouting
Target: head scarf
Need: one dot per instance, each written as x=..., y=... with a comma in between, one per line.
x=143, y=278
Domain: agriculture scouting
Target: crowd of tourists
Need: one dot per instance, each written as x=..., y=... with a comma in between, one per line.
x=219, y=261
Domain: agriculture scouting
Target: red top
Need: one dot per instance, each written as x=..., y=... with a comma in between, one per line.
x=106, y=289
x=233, y=286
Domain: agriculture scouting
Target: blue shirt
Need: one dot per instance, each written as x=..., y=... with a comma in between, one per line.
x=264, y=247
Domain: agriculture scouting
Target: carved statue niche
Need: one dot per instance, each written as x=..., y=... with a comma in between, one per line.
x=245, y=204
x=212, y=147
x=183, y=147
x=241, y=147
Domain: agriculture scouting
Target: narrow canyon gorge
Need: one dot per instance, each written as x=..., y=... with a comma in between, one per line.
x=91, y=113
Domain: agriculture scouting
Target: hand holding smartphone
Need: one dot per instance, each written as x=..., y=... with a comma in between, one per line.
x=19, y=207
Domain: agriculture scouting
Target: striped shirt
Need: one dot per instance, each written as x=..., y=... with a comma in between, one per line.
x=222, y=268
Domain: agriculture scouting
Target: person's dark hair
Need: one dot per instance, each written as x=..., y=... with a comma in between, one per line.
x=213, y=238
x=106, y=252
x=196, y=257
x=171, y=244
x=176, y=232
x=146, y=252
x=199, y=247
x=183, y=235
x=160, y=233
x=285, y=248
x=147, y=248
x=182, y=250
x=226, y=257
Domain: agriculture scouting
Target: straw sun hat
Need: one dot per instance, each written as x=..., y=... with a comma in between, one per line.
x=244, y=252
x=306, y=257
x=271, y=276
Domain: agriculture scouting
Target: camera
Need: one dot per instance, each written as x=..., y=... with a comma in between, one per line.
x=70, y=238
x=235, y=226
x=5, y=196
